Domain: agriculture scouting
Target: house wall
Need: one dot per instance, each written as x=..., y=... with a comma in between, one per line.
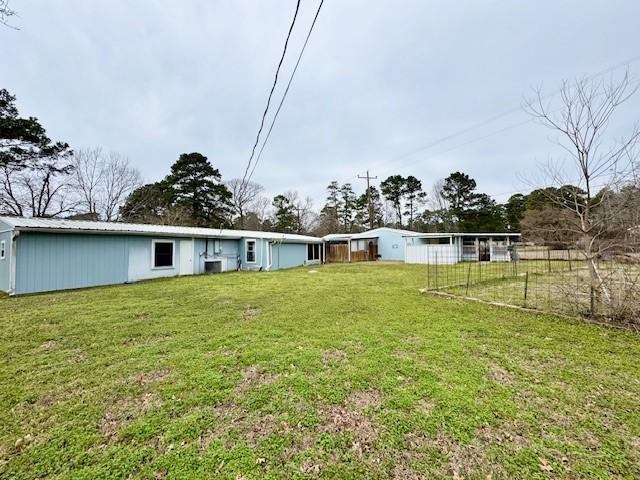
x=288, y=255
x=262, y=253
x=46, y=262
x=140, y=260
x=391, y=245
x=225, y=250
x=59, y=261
x=5, y=264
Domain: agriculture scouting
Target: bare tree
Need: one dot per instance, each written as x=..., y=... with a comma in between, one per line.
x=119, y=180
x=87, y=177
x=261, y=207
x=37, y=188
x=595, y=173
x=243, y=195
x=102, y=182
x=6, y=13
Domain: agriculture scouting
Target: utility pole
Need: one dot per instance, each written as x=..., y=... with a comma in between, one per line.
x=368, y=178
x=299, y=218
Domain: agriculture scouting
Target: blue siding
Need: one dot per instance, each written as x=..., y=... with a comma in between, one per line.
x=288, y=255
x=262, y=254
x=59, y=261
x=391, y=245
x=140, y=266
x=226, y=250
x=5, y=264
x=46, y=262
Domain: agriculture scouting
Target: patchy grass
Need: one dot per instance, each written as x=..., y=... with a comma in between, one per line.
x=347, y=373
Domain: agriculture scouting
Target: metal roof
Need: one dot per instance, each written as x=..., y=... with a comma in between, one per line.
x=84, y=226
x=369, y=234
x=452, y=234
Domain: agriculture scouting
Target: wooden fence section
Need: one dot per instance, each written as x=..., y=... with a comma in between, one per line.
x=339, y=253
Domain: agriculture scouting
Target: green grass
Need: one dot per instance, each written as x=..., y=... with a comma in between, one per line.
x=347, y=373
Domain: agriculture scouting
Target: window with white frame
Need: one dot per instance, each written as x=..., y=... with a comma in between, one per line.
x=2, y=250
x=313, y=251
x=163, y=254
x=251, y=251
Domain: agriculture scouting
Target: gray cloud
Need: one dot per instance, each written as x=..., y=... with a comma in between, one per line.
x=379, y=79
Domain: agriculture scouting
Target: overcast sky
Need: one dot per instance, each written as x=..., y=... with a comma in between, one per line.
x=379, y=80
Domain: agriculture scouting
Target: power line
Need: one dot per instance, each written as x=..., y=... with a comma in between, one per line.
x=284, y=95
x=502, y=115
x=273, y=87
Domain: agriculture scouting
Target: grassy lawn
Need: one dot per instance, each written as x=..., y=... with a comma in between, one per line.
x=348, y=372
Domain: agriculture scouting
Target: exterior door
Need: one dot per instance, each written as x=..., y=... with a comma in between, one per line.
x=484, y=250
x=186, y=257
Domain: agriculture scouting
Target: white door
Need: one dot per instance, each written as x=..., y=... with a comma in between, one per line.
x=186, y=257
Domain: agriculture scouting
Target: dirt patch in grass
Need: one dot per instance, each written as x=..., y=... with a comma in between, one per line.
x=366, y=399
x=48, y=346
x=401, y=355
x=424, y=406
x=464, y=460
x=402, y=471
x=124, y=411
x=310, y=467
x=249, y=428
x=339, y=419
x=253, y=377
x=333, y=356
x=499, y=374
x=50, y=399
x=250, y=312
x=146, y=378
x=146, y=341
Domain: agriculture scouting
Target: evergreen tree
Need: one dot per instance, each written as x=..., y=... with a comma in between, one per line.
x=414, y=197
x=362, y=209
x=394, y=189
x=347, y=208
x=514, y=211
x=195, y=186
x=284, y=217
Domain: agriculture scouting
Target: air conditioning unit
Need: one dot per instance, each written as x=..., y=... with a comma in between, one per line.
x=213, y=266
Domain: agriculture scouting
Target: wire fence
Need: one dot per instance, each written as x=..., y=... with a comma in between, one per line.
x=548, y=279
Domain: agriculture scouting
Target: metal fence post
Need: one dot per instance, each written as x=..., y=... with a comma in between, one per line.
x=468, y=278
x=526, y=287
x=436, y=270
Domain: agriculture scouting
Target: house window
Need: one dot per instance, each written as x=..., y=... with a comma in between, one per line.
x=313, y=251
x=162, y=253
x=2, y=250
x=251, y=251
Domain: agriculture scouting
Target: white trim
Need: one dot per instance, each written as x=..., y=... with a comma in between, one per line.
x=255, y=250
x=153, y=254
x=3, y=249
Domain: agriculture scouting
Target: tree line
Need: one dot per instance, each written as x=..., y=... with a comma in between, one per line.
x=43, y=178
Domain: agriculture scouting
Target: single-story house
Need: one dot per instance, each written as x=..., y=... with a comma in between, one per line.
x=378, y=244
x=459, y=247
x=39, y=255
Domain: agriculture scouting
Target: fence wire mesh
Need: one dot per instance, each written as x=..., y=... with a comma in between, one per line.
x=555, y=280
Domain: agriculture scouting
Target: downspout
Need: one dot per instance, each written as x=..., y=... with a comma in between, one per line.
x=12, y=263
x=269, y=259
